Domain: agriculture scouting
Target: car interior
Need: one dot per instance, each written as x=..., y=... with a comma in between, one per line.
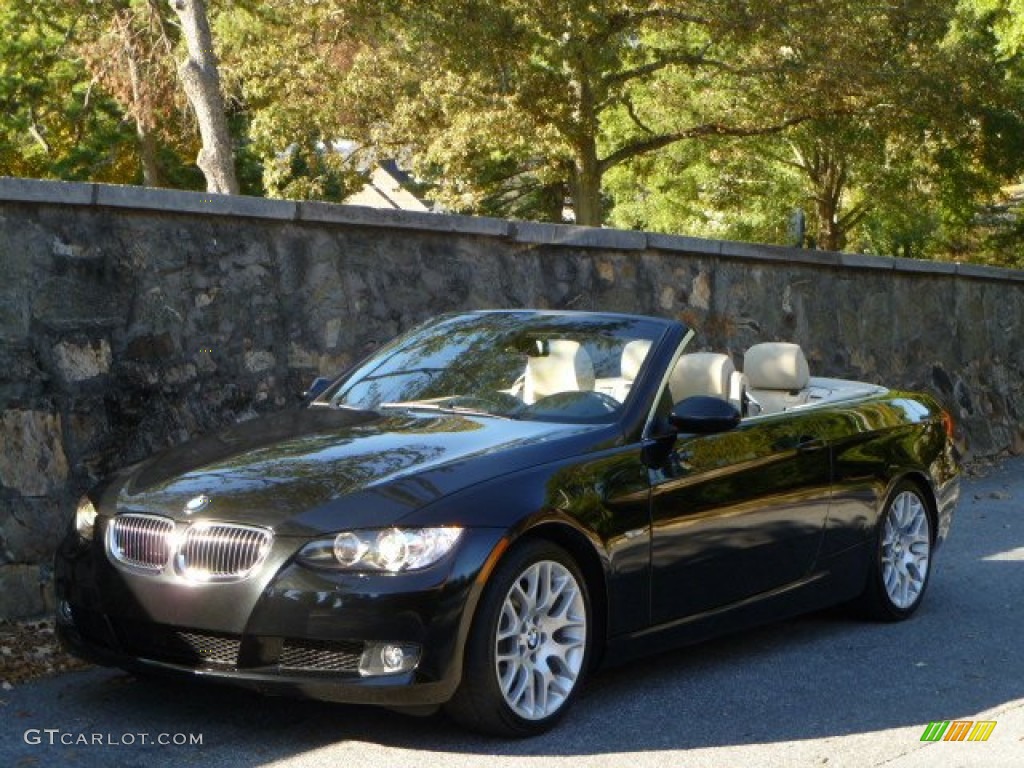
x=775, y=377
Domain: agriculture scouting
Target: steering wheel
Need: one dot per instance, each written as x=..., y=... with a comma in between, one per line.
x=575, y=405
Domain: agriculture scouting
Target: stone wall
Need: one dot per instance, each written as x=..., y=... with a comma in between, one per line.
x=132, y=318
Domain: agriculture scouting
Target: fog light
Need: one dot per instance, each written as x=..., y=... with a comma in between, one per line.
x=391, y=657
x=64, y=615
x=388, y=658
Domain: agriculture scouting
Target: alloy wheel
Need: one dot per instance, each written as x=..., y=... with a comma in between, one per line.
x=541, y=639
x=906, y=549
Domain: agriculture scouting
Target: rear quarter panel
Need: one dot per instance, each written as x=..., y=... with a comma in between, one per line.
x=876, y=443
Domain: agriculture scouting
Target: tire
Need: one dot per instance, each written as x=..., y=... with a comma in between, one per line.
x=901, y=557
x=529, y=645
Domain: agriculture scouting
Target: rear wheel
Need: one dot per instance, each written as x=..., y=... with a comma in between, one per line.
x=529, y=646
x=901, y=565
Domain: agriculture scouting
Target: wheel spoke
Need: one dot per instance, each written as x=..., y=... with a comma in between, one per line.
x=541, y=678
x=526, y=590
x=508, y=624
x=515, y=684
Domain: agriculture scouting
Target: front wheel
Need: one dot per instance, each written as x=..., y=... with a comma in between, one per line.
x=529, y=645
x=901, y=564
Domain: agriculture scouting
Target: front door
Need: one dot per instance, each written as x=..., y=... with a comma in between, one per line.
x=738, y=513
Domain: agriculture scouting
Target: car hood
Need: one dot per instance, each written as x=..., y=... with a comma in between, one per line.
x=323, y=469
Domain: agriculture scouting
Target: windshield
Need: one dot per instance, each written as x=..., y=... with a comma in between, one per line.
x=523, y=365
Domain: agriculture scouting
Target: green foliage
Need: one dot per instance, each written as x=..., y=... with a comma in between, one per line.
x=283, y=63
x=892, y=126
x=530, y=95
x=904, y=171
x=56, y=123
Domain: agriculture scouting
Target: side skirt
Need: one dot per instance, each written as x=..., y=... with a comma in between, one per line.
x=839, y=579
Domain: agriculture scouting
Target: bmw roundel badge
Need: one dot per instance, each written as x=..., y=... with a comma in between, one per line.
x=197, y=504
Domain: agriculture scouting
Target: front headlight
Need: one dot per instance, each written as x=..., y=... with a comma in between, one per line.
x=390, y=550
x=85, y=518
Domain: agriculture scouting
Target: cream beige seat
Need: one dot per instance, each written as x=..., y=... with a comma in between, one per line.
x=702, y=373
x=777, y=375
x=631, y=358
x=566, y=367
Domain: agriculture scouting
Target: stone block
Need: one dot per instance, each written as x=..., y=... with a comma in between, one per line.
x=301, y=357
x=21, y=378
x=984, y=272
x=360, y=216
x=30, y=528
x=778, y=253
x=681, y=244
x=259, y=360
x=867, y=261
x=32, y=461
x=23, y=591
x=74, y=302
x=150, y=348
x=81, y=362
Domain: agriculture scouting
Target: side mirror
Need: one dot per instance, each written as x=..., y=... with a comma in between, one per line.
x=319, y=385
x=704, y=415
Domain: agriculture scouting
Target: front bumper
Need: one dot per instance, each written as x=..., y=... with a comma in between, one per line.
x=288, y=630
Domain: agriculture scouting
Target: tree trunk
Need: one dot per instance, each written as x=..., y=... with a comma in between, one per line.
x=151, y=175
x=830, y=234
x=201, y=81
x=586, y=186
x=827, y=173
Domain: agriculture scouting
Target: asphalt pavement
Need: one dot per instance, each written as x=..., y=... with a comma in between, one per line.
x=823, y=690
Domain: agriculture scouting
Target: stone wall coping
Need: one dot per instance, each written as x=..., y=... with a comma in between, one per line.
x=356, y=215
x=43, y=191
x=183, y=201
x=529, y=233
x=569, y=235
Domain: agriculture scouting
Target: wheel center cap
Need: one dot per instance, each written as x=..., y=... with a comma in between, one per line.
x=532, y=638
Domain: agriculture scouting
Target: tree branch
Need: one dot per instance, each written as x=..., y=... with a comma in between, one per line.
x=654, y=143
x=688, y=57
x=631, y=111
x=854, y=216
x=33, y=129
x=629, y=19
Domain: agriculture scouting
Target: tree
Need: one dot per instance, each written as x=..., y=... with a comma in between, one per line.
x=505, y=99
x=904, y=172
x=514, y=94
x=129, y=49
x=284, y=63
x=200, y=79
x=75, y=66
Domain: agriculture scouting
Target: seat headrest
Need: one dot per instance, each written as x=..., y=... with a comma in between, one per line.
x=701, y=373
x=776, y=365
x=633, y=356
x=566, y=368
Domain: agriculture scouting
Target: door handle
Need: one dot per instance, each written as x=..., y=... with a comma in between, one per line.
x=809, y=443
x=682, y=459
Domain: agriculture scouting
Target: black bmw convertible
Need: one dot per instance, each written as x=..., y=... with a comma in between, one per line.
x=491, y=506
